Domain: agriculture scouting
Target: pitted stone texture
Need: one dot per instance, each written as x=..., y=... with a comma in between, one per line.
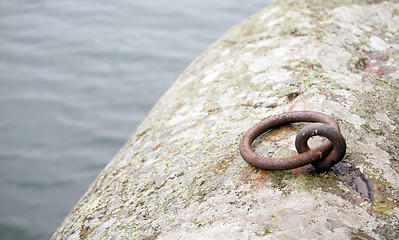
x=180, y=175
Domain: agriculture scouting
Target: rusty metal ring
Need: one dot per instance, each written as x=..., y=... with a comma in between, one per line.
x=319, y=156
x=321, y=129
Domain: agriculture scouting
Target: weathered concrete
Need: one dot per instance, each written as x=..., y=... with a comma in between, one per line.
x=180, y=175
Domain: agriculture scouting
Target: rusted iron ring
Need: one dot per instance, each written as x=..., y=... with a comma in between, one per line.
x=322, y=157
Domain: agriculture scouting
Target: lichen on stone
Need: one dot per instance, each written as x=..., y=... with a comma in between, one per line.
x=180, y=175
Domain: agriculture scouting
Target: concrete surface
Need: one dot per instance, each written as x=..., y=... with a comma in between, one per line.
x=180, y=175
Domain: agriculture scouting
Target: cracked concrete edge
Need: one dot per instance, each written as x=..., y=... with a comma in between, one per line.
x=180, y=175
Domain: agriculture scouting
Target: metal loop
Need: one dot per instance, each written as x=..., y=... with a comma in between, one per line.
x=321, y=129
x=319, y=156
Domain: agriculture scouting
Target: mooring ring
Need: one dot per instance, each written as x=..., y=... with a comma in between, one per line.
x=322, y=157
x=325, y=130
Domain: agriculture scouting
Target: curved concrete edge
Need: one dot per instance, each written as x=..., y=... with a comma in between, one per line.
x=180, y=175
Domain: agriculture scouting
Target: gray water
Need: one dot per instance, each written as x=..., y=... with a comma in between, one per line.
x=76, y=79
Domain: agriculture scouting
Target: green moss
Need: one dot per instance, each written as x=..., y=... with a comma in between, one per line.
x=380, y=101
x=286, y=181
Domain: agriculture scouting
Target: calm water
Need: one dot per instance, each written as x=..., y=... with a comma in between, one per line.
x=76, y=79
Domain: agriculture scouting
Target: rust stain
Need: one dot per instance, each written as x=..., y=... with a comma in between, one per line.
x=279, y=133
x=157, y=146
x=222, y=165
x=260, y=180
x=377, y=64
